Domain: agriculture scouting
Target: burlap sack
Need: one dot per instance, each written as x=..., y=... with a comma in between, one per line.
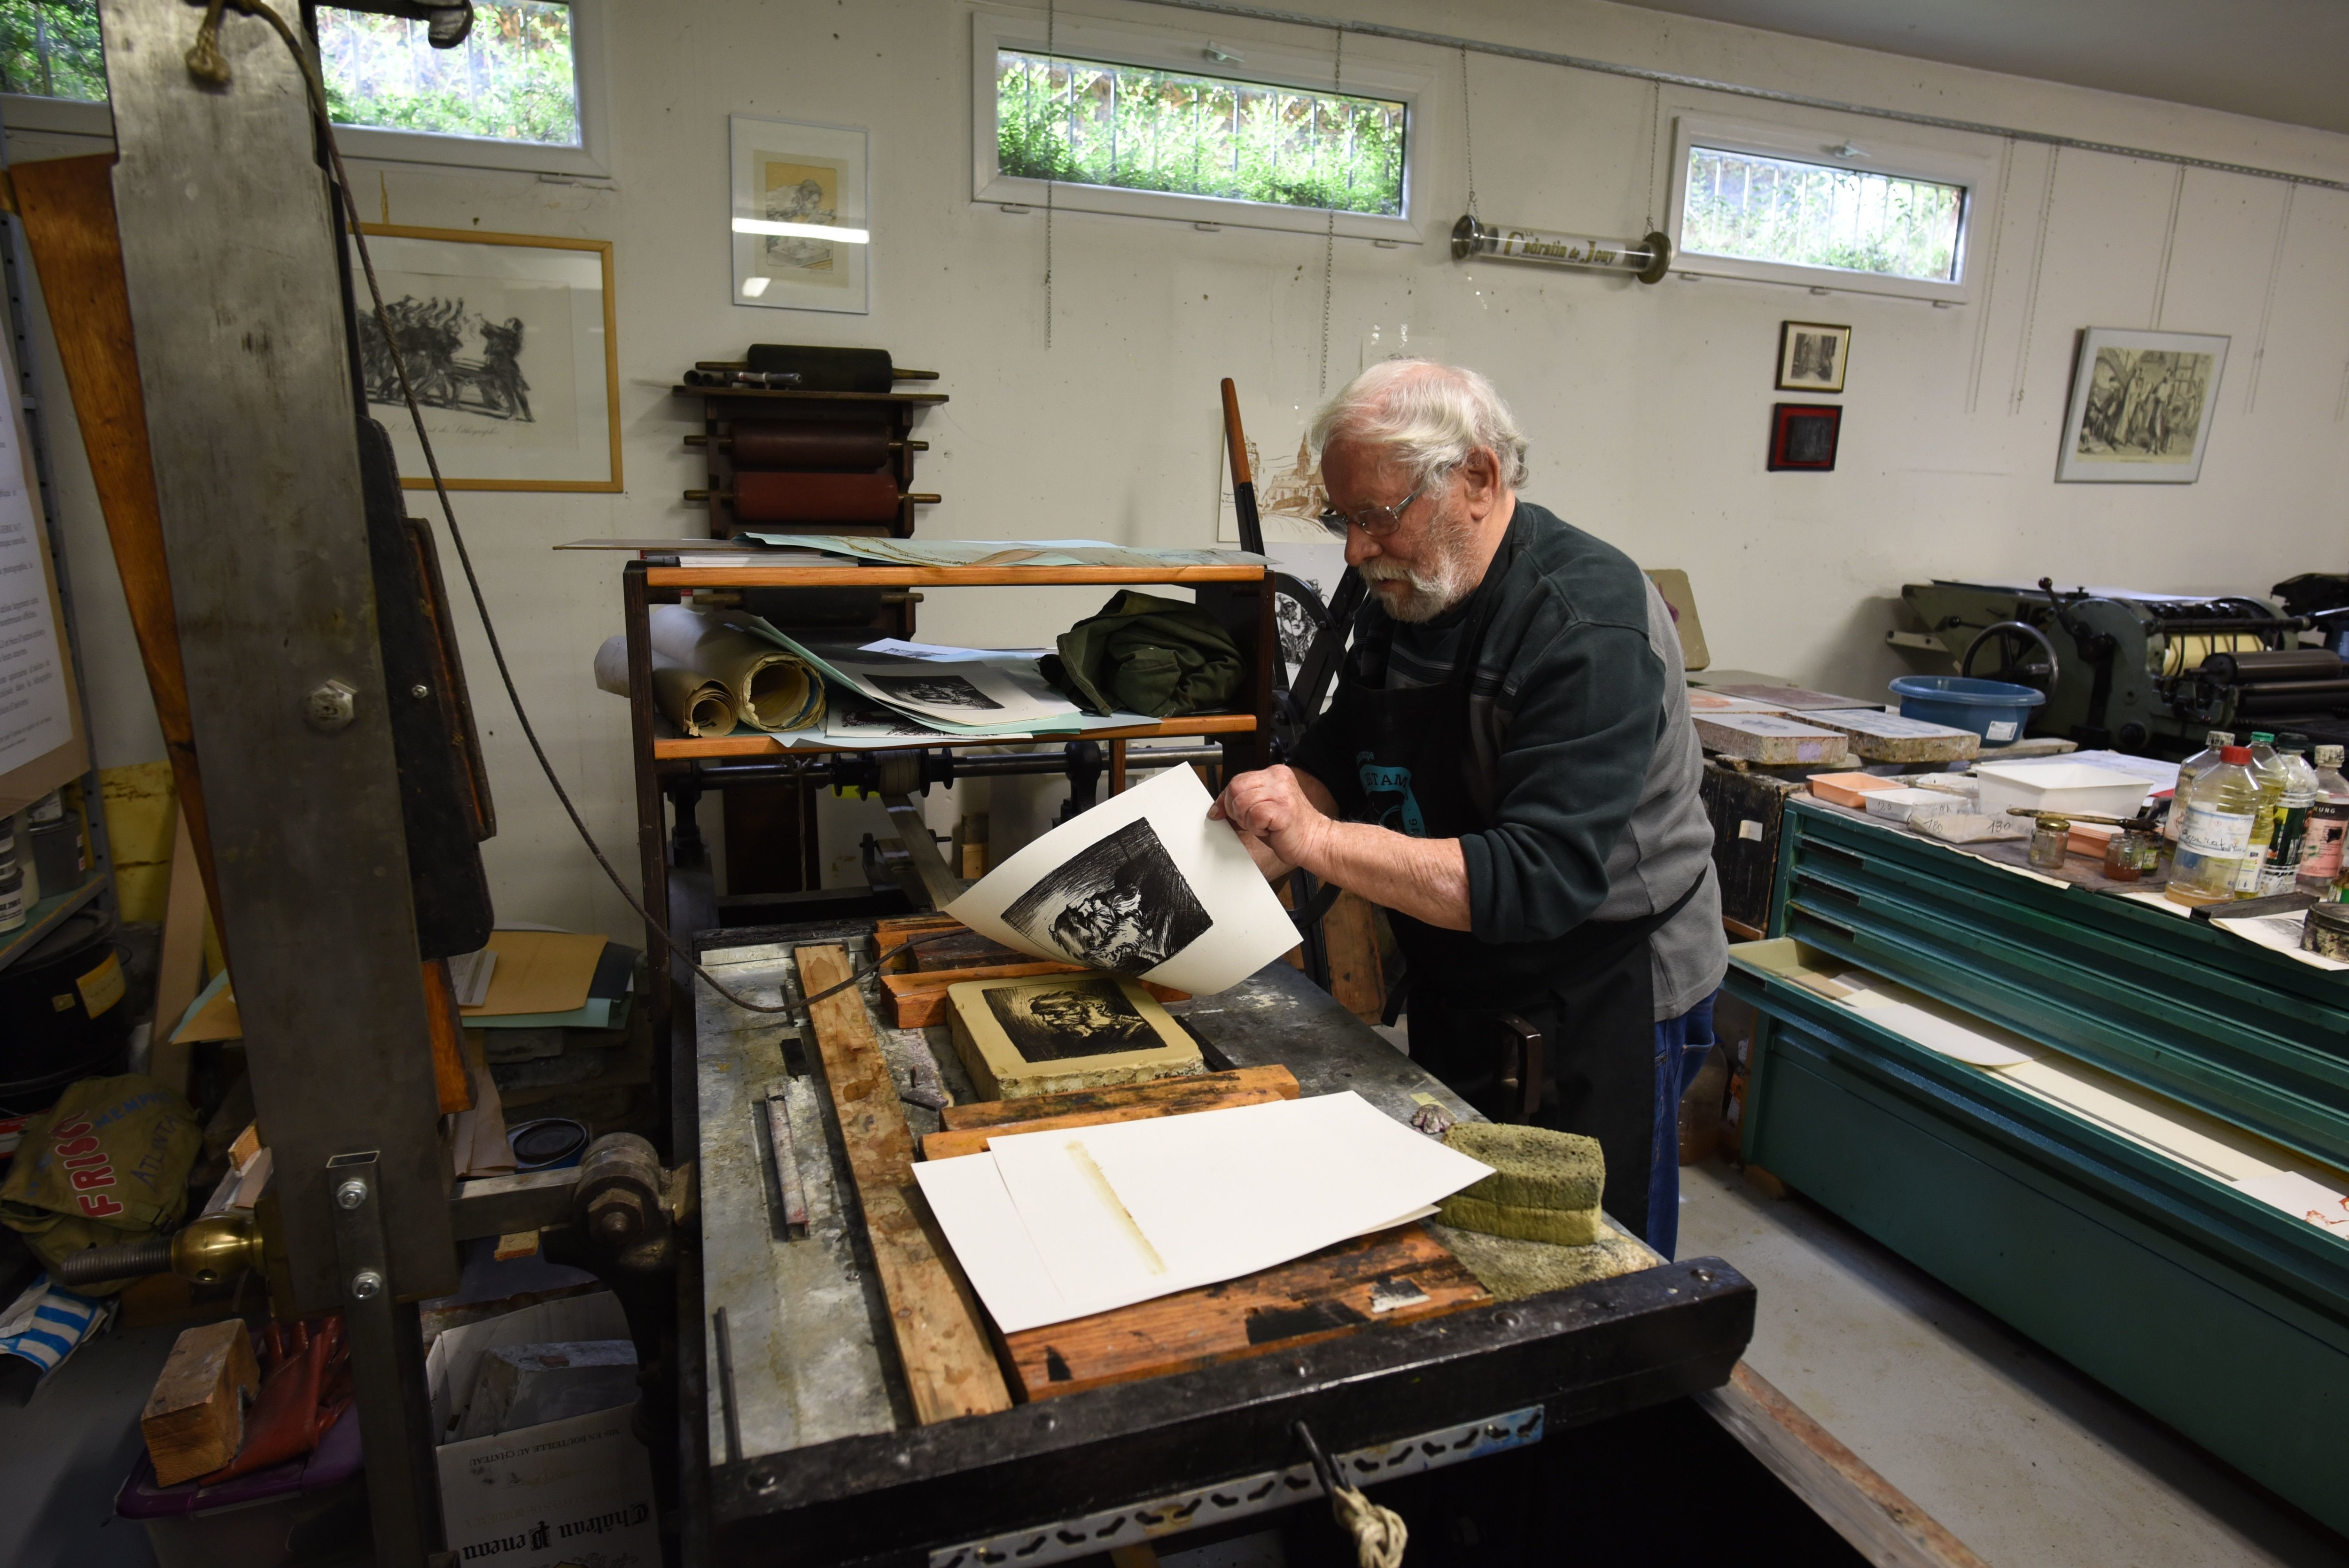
x=108, y=1163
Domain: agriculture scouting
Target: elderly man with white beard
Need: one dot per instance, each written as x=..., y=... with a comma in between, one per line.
x=1510, y=770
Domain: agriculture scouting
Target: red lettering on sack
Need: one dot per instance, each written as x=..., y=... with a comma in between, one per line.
x=75, y=1130
x=98, y=1159
x=98, y=1208
x=79, y=1146
x=84, y=1181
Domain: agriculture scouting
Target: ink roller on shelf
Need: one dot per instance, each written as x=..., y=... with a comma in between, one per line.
x=864, y=370
x=840, y=448
x=814, y=498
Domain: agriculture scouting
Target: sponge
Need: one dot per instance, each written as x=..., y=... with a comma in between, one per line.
x=1532, y=1167
x=1558, y=1227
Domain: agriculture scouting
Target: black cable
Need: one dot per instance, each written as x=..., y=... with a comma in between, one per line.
x=207, y=46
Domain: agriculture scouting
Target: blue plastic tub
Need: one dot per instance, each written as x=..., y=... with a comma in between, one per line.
x=1995, y=710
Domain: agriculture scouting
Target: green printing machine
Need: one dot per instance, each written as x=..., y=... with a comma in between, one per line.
x=2220, y=1315
x=2145, y=673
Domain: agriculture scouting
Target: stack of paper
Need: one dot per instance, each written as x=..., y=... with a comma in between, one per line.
x=1050, y=1226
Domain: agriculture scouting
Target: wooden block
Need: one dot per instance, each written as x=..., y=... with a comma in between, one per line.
x=195, y=1419
x=1394, y=1276
x=949, y=1367
x=918, y=1001
x=1199, y=1089
x=1350, y=935
x=1702, y=701
x=1049, y=1033
x=888, y=933
x=949, y=1144
x=1788, y=699
x=964, y=950
x=1881, y=736
x=1767, y=738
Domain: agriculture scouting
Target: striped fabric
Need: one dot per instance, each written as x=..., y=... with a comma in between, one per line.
x=46, y=1323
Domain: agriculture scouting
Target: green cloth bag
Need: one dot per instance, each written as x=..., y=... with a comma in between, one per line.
x=1146, y=655
x=108, y=1163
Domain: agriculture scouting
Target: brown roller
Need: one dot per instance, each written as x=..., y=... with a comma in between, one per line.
x=814, y=498
x=842, y=448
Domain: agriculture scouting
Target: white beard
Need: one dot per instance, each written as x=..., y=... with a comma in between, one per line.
x=1435, y=587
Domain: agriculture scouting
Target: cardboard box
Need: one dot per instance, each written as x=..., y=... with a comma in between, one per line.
x=555, y=1493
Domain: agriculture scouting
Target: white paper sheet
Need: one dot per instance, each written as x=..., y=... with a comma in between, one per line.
x=2295, y=1194
x=1050, y=1226
x=1916, y=1016
x=1144, y=884
x=2277, y=934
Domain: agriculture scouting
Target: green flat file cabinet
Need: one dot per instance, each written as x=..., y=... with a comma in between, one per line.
x=2219, y=1314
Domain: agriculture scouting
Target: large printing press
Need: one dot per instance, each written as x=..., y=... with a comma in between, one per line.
x=818, y=1387
x=2144, y=671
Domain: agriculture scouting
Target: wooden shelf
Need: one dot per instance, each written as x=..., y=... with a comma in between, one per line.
x=780, y=393
x=937, y=576
x=759, y=743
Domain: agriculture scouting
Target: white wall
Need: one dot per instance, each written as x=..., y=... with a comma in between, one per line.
x=1647, y=406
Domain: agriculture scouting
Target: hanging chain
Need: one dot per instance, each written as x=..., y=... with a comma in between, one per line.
x=1655, y=126
x=1329, y=229
x=1051, y=182
x=1467, y=130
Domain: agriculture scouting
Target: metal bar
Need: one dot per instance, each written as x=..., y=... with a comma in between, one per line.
x=1583, y=1355
x=229, y=255
x=387, y=1369
x=789, y=1187
x=652, y=835
x=502, y=1205
x=1326, y=25
x=1156, y=1519
x=938, y=880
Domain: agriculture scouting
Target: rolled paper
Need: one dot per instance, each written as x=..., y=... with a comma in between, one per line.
x=844, y=448
x=815, y=498
x=696, y=703
x=771, y=688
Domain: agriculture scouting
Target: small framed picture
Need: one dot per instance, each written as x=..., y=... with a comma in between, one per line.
x=1811, y=356
x=1803, y=437
x=511, y=347
x=802, y=239
x=2141, y=406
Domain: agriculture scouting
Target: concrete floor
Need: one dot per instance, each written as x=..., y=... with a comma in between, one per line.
x=2024, y=1459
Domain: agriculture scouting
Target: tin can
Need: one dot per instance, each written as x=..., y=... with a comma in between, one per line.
x=2326, y=931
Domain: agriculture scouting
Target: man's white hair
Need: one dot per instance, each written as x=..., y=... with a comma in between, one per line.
x=1429, y=416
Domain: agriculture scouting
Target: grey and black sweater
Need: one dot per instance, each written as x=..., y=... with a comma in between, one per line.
x=1582, y=753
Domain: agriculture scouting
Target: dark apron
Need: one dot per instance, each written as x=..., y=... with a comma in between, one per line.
x=1589, y=993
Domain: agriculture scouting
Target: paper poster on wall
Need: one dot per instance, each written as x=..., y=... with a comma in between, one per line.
x=39, y=742
x=801, y=236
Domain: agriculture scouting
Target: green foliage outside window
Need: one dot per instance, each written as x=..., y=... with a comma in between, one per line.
x=513, y=79
x=1087, y=122
x=1808, y=214
x=49, y=48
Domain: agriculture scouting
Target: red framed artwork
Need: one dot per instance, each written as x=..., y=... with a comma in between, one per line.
x=1803, y=437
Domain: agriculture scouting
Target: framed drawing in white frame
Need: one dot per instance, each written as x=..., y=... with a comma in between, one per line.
x=802, y=236
x=2141, y=406
x=510, y=344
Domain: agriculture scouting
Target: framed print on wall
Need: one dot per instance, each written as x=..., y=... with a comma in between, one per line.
x=1812, y=356
x=2141, y=406
x=510, y=345
x=800, y=237
x=1803, y=436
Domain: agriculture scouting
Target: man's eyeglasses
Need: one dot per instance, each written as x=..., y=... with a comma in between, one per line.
x=1378, y=521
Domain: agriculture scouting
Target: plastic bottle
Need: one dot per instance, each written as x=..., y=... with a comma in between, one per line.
x=2186, y=770
x=2215, y=838
x=2267, y=818
x=2282, y=866
x=2328, y=824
